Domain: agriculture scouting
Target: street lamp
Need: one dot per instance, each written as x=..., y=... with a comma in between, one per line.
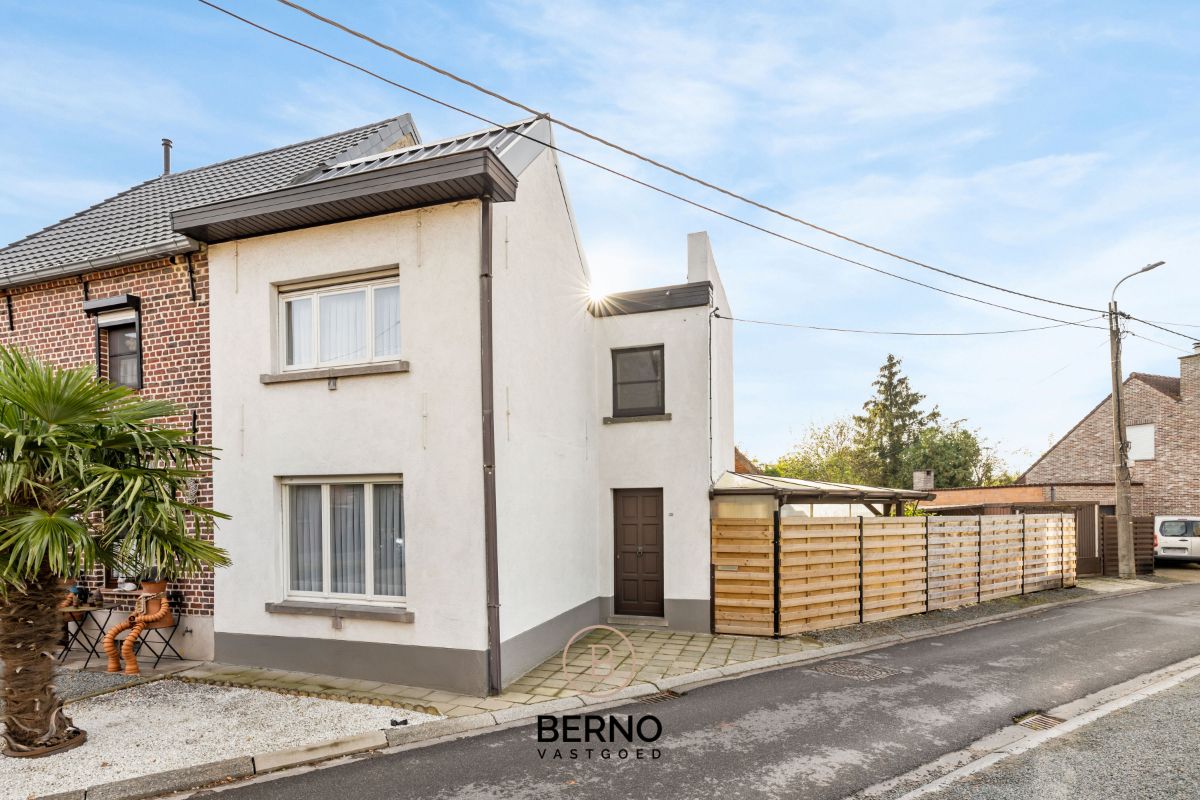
x=1125, y=556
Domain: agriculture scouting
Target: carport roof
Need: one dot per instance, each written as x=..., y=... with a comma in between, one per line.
x=809, y=491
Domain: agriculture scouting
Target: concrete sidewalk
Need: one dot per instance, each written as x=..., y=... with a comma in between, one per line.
x=660, y=654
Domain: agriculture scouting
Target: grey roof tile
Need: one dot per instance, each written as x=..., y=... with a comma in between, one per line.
x=137, y=222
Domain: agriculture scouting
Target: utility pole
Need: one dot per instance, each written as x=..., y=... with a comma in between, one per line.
x=1126, y=565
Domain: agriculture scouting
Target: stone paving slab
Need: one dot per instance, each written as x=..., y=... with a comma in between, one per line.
x=657, y=653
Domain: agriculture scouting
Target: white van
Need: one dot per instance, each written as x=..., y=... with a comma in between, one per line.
x=1177, y=538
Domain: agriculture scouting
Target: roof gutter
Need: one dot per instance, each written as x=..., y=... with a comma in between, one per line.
x=121, y=259
x=486, y=383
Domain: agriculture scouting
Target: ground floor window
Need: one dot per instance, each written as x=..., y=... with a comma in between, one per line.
x=344, y=539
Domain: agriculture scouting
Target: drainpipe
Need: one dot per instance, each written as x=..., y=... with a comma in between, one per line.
x=490, y=547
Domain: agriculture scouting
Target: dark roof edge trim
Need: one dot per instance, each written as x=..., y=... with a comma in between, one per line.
x=833, y=496
x=122, y=259
x=330, y=201
x=661, y=298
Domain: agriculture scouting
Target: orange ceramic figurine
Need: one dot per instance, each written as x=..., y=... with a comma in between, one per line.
x=150, y=610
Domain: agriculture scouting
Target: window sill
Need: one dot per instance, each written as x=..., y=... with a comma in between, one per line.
x=343, y=610
x=643, y=418
x=324, y=373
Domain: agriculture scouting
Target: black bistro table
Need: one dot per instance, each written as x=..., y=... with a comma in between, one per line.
x=81, y=637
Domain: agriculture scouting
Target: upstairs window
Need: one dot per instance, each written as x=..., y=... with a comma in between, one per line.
x=118, y=329
x=1141, y=442
x=638, y=388
x=336, y=325
x=124, y=356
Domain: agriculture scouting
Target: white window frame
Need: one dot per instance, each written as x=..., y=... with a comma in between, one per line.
x=314, y=295
x=368, y=482
x=1141, y=438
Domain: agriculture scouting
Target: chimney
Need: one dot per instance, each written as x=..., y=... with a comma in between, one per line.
x=701, y=264
x=923, y=480
x=1189, y=376
x=166, y=156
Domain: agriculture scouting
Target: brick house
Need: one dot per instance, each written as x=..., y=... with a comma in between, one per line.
x=1162, y=418
x=113, y=286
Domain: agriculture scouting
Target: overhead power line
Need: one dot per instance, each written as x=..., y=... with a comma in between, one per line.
x=1156, y=341
x=1179, y=324
x=1190, y=338
x=617, y=173
x=663, y=166
x=900, y=333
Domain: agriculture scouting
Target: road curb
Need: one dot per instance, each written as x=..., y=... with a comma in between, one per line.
x=1015, y=739
x=456, y=727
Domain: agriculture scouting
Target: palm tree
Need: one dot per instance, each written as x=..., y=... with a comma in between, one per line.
x=86, y=477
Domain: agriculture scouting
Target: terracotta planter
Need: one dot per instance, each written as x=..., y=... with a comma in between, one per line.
x=152, y=606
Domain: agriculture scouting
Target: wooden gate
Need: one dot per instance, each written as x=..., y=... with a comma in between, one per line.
x=1143, y=545
x=1090, y=560
x=784, y=576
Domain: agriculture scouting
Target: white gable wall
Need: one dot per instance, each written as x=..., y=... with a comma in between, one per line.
x=423, y=424
x=546, y=449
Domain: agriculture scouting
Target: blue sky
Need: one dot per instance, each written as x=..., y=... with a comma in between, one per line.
x=1050, y=147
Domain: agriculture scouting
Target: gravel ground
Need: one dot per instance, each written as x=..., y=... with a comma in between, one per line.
x=1145, y=751
x=168, y=724
x=919, y=623
x=72, y=684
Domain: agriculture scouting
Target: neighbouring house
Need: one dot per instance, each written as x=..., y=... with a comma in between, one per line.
x=1162, y=420
x=441, y=455
x=115, y=288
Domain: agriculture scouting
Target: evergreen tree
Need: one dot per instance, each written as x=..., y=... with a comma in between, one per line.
x=891, y=423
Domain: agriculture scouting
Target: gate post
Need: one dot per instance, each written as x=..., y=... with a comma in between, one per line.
x=775, y=569
x=1024, y=545
x=927, y=561
x=979, y=562
x=1062, y=555
x=862, y=556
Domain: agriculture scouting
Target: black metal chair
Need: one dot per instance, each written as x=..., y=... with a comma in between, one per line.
x=158, y=640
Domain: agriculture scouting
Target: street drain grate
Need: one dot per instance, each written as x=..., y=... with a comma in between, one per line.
x=1038, y=721
x=660, y=697
x=854, y=670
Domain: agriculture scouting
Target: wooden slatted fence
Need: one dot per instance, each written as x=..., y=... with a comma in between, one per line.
x=818, y=573
x=795, y=574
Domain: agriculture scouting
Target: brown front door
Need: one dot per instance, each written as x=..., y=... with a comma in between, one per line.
x=1087, y=543
x=639, y=552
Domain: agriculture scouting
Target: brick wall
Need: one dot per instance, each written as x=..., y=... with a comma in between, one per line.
x=1171, y=481
x=48, y=322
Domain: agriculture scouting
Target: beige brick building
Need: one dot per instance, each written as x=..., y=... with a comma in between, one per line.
x=1162, y=418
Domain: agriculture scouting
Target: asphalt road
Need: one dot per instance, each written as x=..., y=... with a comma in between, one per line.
x=800, y=732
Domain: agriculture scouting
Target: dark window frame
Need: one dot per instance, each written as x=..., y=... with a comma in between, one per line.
x=97, y=309
x=641, y=411
x=135, y=356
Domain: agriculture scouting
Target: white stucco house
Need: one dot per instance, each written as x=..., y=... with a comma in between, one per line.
x=441, y=457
